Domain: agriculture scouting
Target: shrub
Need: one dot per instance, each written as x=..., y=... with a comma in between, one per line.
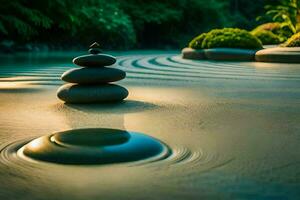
x=196, y=43
x=266, y=37
x=283, y=32
x=285, y=12
x=231, y=38
x=293, y=41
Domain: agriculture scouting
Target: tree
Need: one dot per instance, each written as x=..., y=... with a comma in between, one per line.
x=118, y=23
x=23, y=22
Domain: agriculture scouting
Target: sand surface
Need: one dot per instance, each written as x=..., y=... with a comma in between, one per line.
x=233, y=128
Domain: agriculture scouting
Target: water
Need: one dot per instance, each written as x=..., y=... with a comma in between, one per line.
x=232, y=129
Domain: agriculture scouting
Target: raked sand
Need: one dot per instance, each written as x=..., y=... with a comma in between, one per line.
x=233, y=129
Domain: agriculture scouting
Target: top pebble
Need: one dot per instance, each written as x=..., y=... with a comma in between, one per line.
x=95, y=59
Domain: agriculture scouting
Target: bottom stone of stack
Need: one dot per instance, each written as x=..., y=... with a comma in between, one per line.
x=105, y=93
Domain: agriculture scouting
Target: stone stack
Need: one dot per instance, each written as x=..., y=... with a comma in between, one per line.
x=92, y=82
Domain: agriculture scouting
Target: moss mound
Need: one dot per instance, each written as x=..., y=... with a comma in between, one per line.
x=283, y=32
x=293, y=41
x=266, y=37
x=226, y=38
x=196, y=43
x=231, y=38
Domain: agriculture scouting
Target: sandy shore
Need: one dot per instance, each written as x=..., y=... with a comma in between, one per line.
x=233, y=129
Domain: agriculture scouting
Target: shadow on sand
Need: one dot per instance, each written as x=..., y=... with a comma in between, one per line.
x=19, y=90
x=127, y=106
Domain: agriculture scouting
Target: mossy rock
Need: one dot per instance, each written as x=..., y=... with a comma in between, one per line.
x=231, y=38
x=293, y=41
x=226, y=38
x=266, y=37
x=283, y=32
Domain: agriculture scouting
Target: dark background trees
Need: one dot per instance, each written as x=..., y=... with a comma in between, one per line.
x=120, y=24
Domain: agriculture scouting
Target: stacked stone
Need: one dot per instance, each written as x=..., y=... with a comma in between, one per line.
x=92, y=82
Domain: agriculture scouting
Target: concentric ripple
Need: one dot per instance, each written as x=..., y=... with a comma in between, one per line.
x=89, y=146
x=173, y=67
x=162, y=67
x=187, y=162
x=107, y=146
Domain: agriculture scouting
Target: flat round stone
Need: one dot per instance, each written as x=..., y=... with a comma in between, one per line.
x=230, y=54
x=93, y=75
x=74, y=93
x=94, y=146
x=97, y=60
x=279, y=54
x=193, y=54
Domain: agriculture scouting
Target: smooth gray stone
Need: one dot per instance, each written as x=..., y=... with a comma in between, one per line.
x=95, y=146
x=74, y=93
x=230, y=54
x=279, y=54
x=193, y=54
x=91, y=137
x=93, y=75
x=97, y=60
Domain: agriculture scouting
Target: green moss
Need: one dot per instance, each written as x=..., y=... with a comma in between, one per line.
x=293, y=41
x=266, y=37
x=283, y=32
x=231, y=38
x=227, y=37
x=196, y=43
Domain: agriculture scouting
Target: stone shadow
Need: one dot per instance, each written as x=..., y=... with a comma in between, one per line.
x=126, y=106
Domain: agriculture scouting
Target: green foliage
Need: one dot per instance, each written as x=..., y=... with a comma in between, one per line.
x=108, y=22
x=118, y=23
x=286, y=12
x=89, y=20
x=227, y=38
x=196, y=43
x=24, y=22
x=294, y=41
x=243, y=13
x=266, y=37
x=283, y=32
x=173, y=22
